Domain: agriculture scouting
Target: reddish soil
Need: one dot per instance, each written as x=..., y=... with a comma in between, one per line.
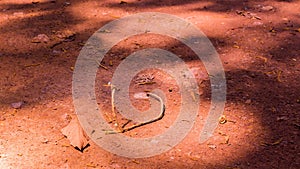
x=257, y=41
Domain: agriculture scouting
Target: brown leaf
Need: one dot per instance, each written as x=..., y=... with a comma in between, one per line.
x=75, y=134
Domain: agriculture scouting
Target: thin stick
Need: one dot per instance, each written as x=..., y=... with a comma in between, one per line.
x=159, y=117
x=122, y=130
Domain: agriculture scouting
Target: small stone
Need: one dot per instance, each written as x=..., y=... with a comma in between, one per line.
x=212, y=146
x=267, y=8
x=141, y=95
x=18, y=13
x=67, y=117
x=2, y=118
x=56, y=52
x=199, y=74
x=17, y=105
x=257, y=23
x=45, y=141
x=40, y=38
x=248, y=101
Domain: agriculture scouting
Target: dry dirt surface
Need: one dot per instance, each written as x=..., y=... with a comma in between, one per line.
x=258, y=43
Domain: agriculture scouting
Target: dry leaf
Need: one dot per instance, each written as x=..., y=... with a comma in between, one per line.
x=75, y=134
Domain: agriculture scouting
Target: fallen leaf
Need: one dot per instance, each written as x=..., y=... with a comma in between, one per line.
x=75, y=134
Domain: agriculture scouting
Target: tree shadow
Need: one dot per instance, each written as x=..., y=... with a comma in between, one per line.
x=274, y=94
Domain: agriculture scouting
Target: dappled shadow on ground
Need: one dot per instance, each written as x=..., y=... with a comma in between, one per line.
x=43, y=72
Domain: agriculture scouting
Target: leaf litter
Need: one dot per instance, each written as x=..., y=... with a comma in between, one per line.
x=75, y=134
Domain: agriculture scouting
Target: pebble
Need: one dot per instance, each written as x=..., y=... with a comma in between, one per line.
x=56, y=52
x=40, y=38
x=257, y=23
x=2, y=118
x=141, y=95
x=17, y=105
x=18, y=13
x=248, y=101
x=212, y=146
x=267, y=8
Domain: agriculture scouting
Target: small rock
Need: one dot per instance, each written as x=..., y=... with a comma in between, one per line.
x=115, y=165
x=248, y=101
x=56, y=52
x=141, y=95
x=2, y=118
x=45, y=141
x=199, y=74
x=285, y=19
x=17, y=105
x=257, y=23
x=67, y=117
x=18, y=13
x=267, y=8
x=40, y=38
x=212, y=146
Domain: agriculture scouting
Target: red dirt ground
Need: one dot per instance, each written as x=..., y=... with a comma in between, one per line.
x=258, y=43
